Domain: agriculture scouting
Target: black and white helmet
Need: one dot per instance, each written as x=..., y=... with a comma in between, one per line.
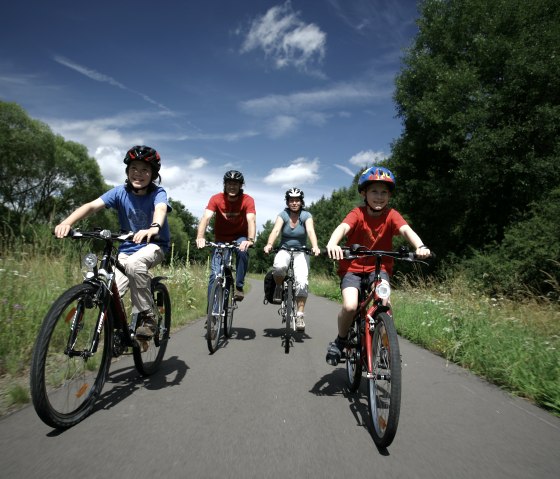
x=234, y=175
x=294, y=193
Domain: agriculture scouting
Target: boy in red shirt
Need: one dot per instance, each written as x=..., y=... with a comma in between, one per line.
x=373, y=226
x=235, y=221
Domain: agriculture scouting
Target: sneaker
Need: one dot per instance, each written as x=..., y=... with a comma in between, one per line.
x=238, y=296
x=277, y=298
x=300, y=323
x=148, y=325
x=335, y=351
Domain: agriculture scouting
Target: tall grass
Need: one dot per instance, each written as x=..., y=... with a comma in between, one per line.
x=515, y=345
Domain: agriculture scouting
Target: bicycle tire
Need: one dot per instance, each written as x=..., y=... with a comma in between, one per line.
x=228, y=310
x=64, y=388
x=353, y=356
x=215, y=315
x=289, y=312
x=384, y=389
x=148, y=361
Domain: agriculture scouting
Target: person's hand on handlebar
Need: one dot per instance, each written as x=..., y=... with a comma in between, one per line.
x=423, y=252
x=334, y=251
x=62, y=230
x=245, y=245
x=200, y=242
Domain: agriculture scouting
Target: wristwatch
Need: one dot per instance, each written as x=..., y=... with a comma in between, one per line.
x=252, y=240
x=155, y=225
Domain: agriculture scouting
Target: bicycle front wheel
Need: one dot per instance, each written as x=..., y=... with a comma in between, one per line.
x=66, y=375
x=353, y=356
x=149, y=354
x=228, y=311
x=384, y=388
x=215, y=315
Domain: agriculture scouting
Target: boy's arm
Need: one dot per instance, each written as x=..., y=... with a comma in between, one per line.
x=200, y=240
x=422, y=251
x=335, y=251
x=62, y=229
x=160, y=213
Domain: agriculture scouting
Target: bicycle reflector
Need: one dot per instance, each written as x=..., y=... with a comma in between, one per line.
x=383, y=289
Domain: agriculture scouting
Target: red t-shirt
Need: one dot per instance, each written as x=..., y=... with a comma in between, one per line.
x=373, y=232
x=231, y=216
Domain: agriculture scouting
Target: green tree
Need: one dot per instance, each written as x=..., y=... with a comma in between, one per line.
x=479, y=98
x=27, y=160
x=44, y=177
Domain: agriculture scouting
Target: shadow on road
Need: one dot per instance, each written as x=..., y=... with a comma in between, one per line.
x=334, y=384
x=127, y=380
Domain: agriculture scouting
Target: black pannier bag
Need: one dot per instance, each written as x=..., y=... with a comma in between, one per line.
x=269, y=286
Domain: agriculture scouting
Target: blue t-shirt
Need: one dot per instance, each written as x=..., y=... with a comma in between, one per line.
x=296, y=236
x=136, y=212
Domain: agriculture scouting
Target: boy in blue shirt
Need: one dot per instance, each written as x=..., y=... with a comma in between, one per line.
x=142, y=208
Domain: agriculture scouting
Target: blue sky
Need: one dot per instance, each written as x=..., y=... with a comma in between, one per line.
x=291, y=93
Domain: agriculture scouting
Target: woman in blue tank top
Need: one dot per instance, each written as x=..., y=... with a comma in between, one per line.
x=294, y=225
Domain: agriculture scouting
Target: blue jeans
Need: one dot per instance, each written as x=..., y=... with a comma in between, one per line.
x=241, y=265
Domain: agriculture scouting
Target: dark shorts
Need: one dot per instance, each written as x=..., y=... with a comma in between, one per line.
x=353, y=280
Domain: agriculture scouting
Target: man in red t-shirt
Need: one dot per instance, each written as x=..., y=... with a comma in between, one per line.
x=235, y=221
x=373, y=226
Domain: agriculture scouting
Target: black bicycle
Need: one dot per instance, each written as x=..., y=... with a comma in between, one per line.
x=221, y=301
x=84, y=328
x=288, y=308
x=373, y=347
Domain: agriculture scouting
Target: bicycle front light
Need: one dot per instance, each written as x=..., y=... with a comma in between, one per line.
x=89, y=265
x=383, y=289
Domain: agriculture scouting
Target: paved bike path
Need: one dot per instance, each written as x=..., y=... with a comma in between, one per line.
x=252, y=411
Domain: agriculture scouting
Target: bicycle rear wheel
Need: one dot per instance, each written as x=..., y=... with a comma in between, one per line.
x=228, y=310
x=384, y=389
x=353, y=356
x=215, y=315
x=66, y=377
x=148, y=356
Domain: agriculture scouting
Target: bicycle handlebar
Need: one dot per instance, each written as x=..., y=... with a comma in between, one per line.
x=227, y=245
x=402, y=254
x=294, y=249
x=105, y=235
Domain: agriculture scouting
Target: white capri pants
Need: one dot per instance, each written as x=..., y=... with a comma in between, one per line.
x=137, y=276
x=301, y=270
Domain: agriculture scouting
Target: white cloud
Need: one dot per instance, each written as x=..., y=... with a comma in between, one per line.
x=346, y=170
x=299, y=172
x=338, y=96
x=368, y=158
x=197, y=163
x=286, y=39
x=101, y=77
x=281, y=125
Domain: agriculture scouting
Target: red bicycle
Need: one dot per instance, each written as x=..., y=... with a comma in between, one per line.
x=373, y=347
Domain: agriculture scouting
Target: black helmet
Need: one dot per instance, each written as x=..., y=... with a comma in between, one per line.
x=234, y=175
x=294, y=193
x=144, y=153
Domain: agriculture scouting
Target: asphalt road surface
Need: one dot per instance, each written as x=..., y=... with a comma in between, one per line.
x=252, y=411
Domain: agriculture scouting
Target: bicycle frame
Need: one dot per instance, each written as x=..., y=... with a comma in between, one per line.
x=368, y=310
